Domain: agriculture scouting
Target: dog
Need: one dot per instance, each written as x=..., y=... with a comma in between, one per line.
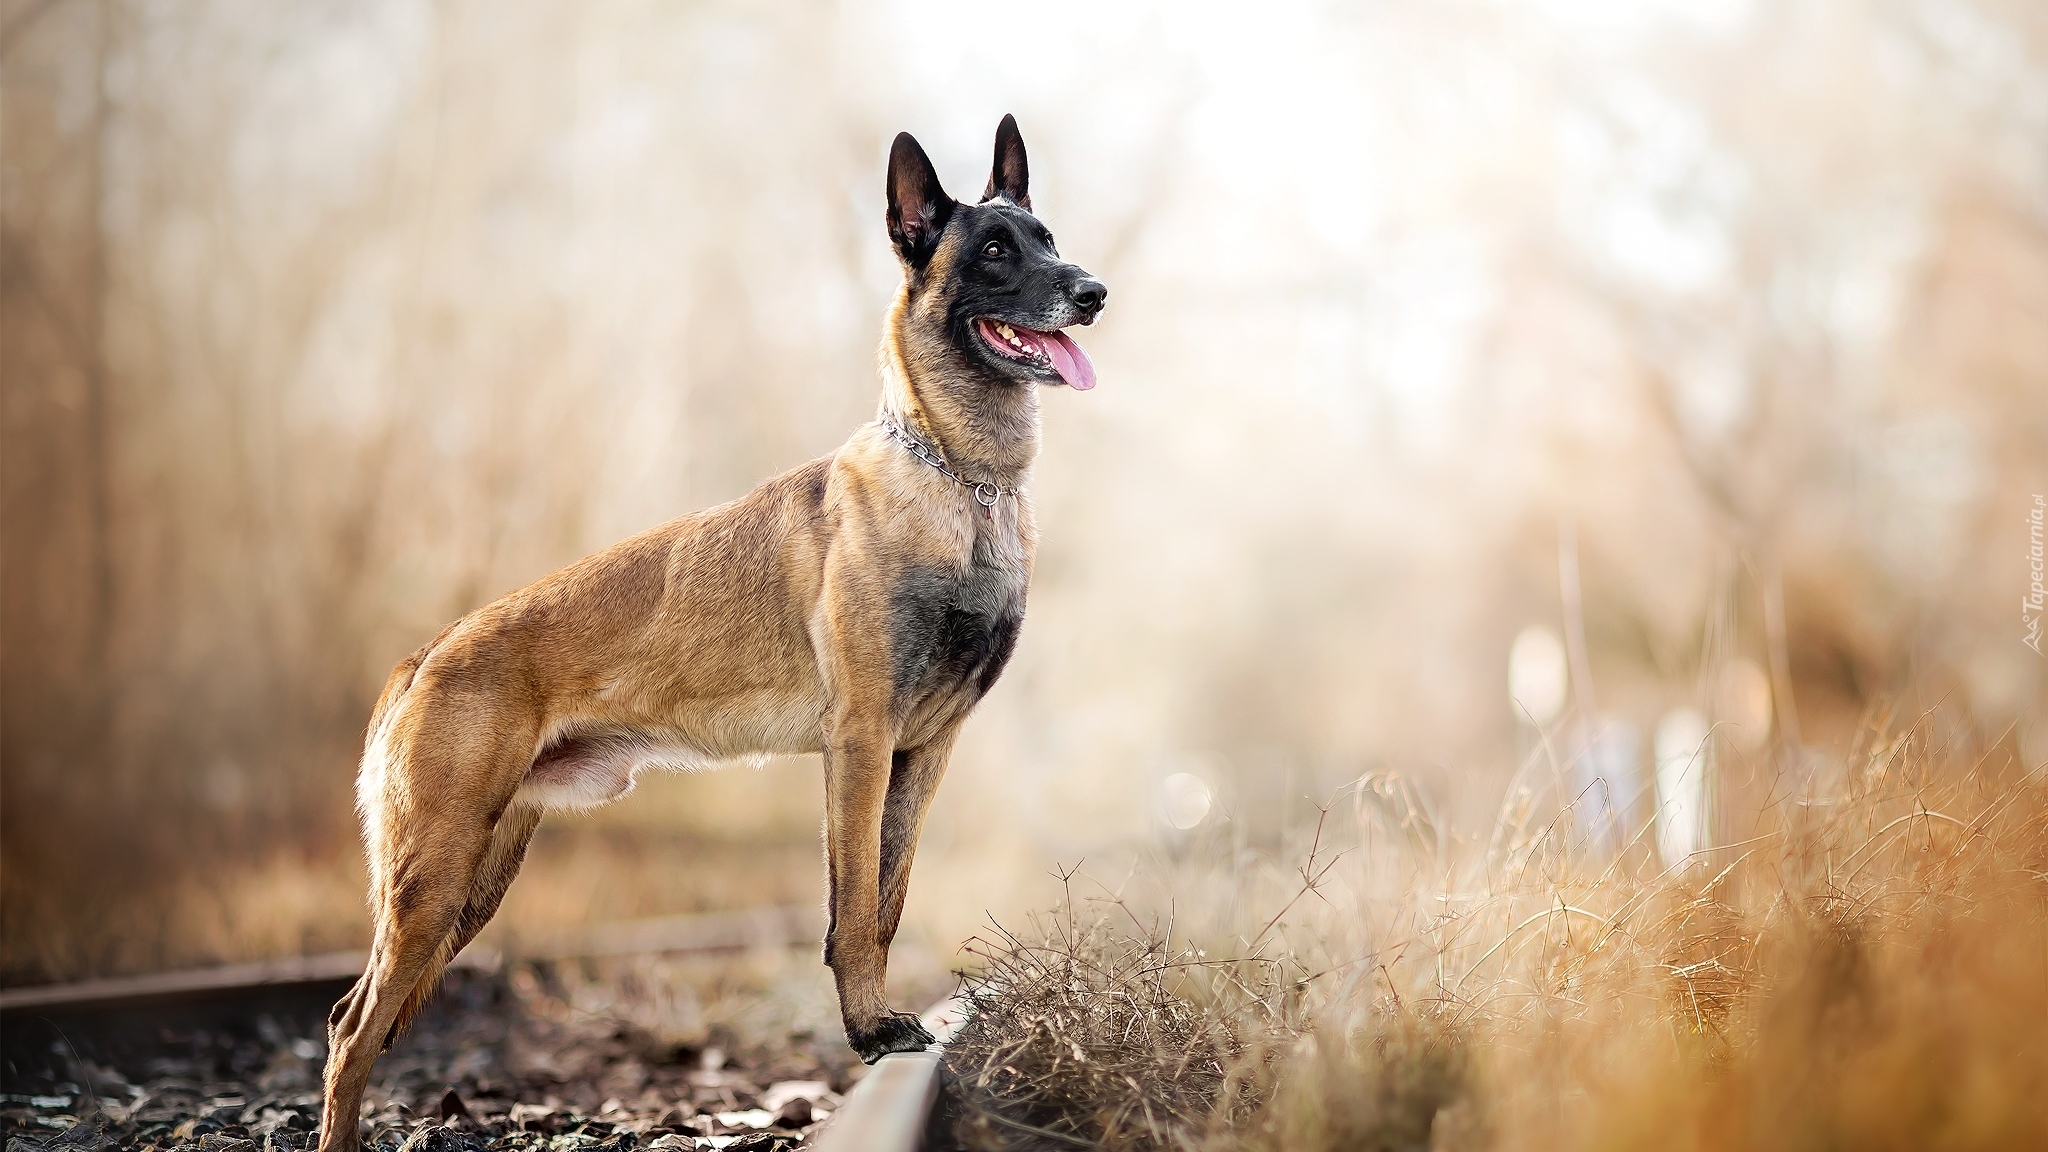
x=857, y=607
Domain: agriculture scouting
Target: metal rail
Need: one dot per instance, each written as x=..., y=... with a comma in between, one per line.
x=706, y=932
x=888, y=1110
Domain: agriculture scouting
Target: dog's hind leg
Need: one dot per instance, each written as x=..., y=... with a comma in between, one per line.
x=494, y=875
x=440, y=860
x=500, y=864
x=414, y=920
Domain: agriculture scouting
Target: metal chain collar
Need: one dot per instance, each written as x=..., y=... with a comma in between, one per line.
x=985, y=493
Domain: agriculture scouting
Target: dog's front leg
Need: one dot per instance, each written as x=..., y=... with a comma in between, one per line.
x=913, y=781
x=858, y=750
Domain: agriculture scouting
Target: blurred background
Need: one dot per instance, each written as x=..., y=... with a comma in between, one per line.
x=1651, y=389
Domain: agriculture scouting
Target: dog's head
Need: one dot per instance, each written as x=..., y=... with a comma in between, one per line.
x=987, y=276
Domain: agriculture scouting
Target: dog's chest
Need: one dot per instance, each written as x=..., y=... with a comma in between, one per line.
x=952, y=629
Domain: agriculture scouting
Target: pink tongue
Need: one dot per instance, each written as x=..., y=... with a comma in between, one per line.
x=1068, y=359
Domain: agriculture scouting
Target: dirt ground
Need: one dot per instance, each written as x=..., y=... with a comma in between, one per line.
x=740, y=1053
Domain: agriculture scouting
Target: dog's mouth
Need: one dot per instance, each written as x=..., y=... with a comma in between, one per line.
x=1053, y=352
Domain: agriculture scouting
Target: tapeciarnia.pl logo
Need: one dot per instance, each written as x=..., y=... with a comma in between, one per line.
x=2037, y=596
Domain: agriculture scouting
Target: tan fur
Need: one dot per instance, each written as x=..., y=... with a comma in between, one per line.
x=757, y=627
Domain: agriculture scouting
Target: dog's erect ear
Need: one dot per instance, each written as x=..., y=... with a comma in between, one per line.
x=1011, y=176
x=918, y=206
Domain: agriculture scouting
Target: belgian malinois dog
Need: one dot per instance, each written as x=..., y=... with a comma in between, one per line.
x=858, y=607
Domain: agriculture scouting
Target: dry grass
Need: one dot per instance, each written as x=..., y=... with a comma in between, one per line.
x=1868, y=970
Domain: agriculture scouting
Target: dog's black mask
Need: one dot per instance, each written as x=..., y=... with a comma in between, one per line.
x=992, y=267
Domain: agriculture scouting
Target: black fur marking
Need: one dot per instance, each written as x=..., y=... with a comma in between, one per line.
x=409, y=895
x=951, y=628
x=1020, y=280
x=1010, y=175
x=919, y=209
x=896, y=827
x=896, y=1032
x=897, y=820
x=1002, y=644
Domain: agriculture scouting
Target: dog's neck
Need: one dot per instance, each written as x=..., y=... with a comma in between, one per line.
x=986, y=431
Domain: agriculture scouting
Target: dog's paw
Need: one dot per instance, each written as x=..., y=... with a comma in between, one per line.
x=896, y=1032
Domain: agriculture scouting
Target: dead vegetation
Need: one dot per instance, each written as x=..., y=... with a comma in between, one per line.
x=1868, y=969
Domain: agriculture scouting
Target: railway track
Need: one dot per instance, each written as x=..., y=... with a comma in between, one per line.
x=218, y=1057
x=702, y=932
x=890, y=1109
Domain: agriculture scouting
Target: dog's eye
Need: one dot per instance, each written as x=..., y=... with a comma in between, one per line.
x=992, y=249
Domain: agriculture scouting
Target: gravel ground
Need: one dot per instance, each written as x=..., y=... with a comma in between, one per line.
x=643, y=1054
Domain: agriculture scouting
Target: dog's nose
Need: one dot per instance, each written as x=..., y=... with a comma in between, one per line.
x=1089, y=293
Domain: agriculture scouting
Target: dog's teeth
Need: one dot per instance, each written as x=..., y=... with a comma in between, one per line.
x=1007, y=333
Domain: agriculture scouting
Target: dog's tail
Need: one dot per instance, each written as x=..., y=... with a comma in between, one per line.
x=374, y=767
x=376, y=742
x=399, y=682
x=395, y=687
